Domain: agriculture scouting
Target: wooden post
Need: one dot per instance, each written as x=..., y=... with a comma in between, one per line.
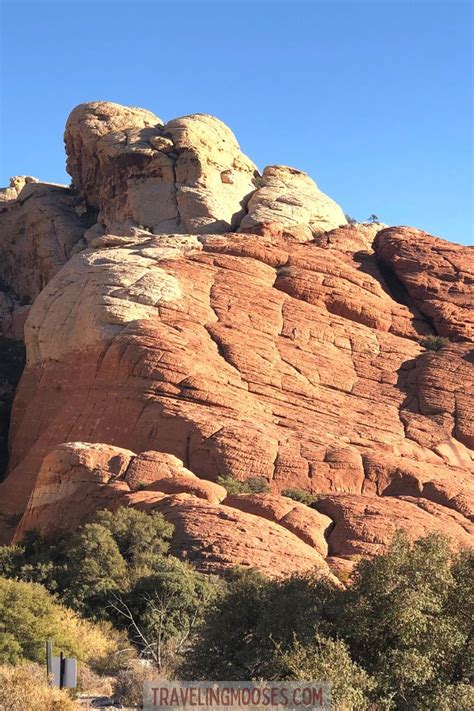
x=49, y=659
x=62, y=669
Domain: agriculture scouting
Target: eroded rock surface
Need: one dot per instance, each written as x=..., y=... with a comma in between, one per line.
x=290, y=198
x=170, y=350
x=40, y=228
x=437, y=274
x=186, y=176
x=78, y=478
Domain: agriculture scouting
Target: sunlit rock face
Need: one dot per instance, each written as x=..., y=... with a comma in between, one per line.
x=218, y=321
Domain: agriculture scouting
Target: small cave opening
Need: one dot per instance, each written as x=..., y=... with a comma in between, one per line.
x=396, y=288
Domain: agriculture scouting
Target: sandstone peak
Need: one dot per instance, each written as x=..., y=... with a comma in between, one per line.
x=188, y=317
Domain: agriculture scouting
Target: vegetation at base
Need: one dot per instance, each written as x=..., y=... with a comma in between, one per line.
x=128, y=687
x=434, y=343
x=117, y=569
x=106, y=556
x=399, y=637
x=302, y=496
x=24, y=688
x=29, y=615
x=252, y=485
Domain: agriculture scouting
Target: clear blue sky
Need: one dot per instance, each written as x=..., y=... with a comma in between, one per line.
x=373, y=99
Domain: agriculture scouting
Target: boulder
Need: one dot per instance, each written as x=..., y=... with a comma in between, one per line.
x=188, y=176
x=365, y=526
x=39, y=231
x=289, y=198
x=437, y=274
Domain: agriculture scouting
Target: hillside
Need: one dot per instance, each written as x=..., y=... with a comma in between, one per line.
x=187, y=318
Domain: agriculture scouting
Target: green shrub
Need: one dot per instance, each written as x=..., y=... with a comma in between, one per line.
x=252, y=485
x=401, y=632
x=434, y=343
x=114, y=569
x=29, y=615
x=102, y=557
x=303, y=497
x=324, y=658
x=258, y=180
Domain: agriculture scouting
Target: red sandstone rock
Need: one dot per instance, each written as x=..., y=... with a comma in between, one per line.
x=304, y=522
x=217, y=537
x=365, y=525
x=239, y=354
x=438, y=275
x=77, y=479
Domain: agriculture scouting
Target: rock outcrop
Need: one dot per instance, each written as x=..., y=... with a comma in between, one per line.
x=76, y=479
x=288, y=198
x=215, y=321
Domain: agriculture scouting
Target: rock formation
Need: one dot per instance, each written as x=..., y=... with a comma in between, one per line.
x=188, y=318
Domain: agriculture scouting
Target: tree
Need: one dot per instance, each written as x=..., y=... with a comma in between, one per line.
x=373, y=218
x=407, y=618
x=163, y=610
x=107, y=555
x=252, y=620
x=401, y=633
x=95, y=568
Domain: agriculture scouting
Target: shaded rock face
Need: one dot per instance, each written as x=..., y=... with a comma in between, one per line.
x=12, y=361
x=287, y=348
x=438, y=275
x=40, y=229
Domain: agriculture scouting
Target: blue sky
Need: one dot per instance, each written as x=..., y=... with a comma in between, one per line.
x=373, y=98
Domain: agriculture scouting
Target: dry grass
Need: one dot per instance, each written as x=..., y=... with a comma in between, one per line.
x=129, y=683
x=92, y=684
x=24, y=688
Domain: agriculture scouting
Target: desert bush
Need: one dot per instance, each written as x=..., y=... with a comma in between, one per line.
x=406, y=620
x=303, y=497
x=24, y=688
x=91, y=683
x=434, y=343
x=328, y=660
x=105, y=648
x=105, y=556
x=258, y=180
x=115, y=569
x=128, y=687
x=29, y=615
x=252, y=485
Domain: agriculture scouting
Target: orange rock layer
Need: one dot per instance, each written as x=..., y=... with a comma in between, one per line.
x=157, y=362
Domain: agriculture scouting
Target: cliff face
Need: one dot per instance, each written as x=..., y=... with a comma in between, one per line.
x=192, y=318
